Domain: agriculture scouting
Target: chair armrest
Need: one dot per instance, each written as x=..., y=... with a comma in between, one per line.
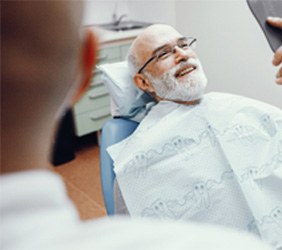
x=113, y=131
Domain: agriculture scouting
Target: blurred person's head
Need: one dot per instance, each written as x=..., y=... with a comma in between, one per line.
x=47, y=61
x=164, y=64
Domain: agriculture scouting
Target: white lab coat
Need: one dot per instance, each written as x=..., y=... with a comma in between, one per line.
x=37, y=214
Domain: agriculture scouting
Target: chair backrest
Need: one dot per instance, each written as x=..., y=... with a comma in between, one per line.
x=113, y=131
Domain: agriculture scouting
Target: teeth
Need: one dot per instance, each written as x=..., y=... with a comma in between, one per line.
x=182, y=73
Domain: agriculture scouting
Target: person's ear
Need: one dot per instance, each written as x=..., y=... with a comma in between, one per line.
x=143, y=83
x=89, y=53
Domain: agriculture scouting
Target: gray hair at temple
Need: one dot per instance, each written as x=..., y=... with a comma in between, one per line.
x=132, y=62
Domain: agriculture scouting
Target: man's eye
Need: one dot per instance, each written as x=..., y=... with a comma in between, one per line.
x=163, y=54
x=184, y=45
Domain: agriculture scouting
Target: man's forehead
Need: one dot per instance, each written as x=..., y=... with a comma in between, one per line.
x=155, y=37
x=162, y=35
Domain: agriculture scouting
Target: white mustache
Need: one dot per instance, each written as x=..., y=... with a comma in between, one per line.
x=191, y=62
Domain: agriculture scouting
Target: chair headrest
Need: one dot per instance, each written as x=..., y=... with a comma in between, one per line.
x=127, y=100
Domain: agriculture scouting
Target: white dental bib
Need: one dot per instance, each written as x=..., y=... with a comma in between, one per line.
x=217, y=162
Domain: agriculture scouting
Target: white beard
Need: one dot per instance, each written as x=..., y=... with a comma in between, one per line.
x=190, y=88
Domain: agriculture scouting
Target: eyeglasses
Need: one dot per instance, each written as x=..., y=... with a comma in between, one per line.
x=167, y=50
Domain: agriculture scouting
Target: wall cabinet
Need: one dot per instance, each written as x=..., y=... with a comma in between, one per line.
x=93, y=109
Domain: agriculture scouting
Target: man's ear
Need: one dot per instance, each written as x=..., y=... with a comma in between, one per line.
x=89, y=52
x=143, y=83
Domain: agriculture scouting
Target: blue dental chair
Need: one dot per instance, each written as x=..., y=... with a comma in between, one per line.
x=113, y=131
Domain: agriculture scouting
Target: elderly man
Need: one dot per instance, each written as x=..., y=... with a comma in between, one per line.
x=164, y=72
x=214, y=158
x=45, y=55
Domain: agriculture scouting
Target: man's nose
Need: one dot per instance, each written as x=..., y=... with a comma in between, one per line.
x=181, y=54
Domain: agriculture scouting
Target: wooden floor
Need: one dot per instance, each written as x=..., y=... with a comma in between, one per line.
x=82, y=178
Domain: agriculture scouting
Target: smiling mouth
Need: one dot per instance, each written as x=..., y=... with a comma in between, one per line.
x=184, y=71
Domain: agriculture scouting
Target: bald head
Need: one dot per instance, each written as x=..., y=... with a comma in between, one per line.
x=37, y=37
x=42, y=56
x=148, y=40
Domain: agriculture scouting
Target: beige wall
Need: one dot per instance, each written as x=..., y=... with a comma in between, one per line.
x=232, y=48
